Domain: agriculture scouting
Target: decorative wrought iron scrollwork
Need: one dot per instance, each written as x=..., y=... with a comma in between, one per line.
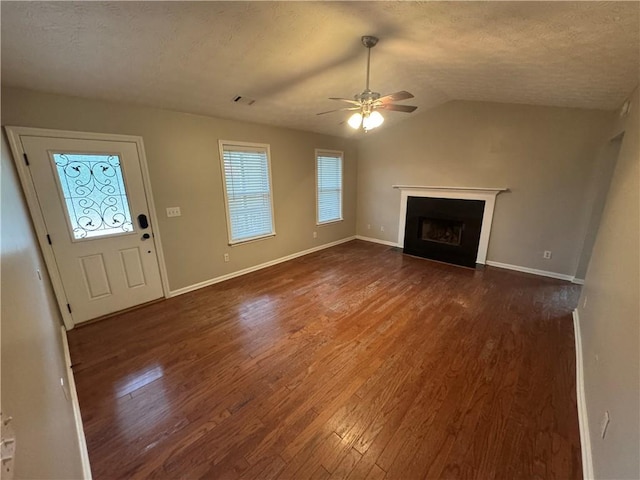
x=94, y=194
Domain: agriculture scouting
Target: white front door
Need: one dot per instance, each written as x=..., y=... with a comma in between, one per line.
x=92, y=198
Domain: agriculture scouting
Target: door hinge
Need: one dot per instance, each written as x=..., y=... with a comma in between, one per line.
x=69, y=307
x=49, y=239
x=26, y=159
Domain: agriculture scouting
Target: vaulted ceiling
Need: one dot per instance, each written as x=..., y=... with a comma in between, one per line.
x=291, y=56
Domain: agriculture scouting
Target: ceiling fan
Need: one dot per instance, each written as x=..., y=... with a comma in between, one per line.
x=368, y=102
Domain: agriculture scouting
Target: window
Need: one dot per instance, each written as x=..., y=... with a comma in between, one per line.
x=94, y=194
x=247, y=181
x=329, y=186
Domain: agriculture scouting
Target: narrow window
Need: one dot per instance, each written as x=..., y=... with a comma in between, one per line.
x=247, y=180
x=329, y=186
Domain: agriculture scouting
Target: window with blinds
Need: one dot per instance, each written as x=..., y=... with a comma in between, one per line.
x=329, y=186
x=247, y=181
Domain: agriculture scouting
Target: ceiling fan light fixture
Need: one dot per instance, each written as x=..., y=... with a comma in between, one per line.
x=373, y=120
x=369, y=101
x=355, y=120
x=368, y=121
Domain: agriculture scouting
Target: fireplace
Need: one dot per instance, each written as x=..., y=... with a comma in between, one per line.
x=444, y=229
x=449, y=224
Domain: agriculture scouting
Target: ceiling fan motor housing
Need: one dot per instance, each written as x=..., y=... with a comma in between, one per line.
x=367, y=96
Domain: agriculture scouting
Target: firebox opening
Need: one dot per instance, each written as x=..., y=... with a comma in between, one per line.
x=441, y=231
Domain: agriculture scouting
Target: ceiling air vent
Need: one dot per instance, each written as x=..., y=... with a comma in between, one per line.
x=243, y=100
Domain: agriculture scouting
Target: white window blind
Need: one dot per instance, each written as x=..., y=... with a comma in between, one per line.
x=329, y=187
x=247, y=181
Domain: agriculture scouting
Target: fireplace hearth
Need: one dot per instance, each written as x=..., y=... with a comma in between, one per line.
x=444, y=229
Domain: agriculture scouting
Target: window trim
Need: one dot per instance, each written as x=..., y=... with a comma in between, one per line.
x=267, y=148
x=333, y=153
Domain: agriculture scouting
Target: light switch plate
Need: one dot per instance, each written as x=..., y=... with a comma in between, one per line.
x=173, y=212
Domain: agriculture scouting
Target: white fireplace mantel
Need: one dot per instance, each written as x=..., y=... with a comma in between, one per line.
x=488, y=195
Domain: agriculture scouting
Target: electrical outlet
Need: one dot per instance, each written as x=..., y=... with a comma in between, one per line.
x=315, y=234
x=382, y=228
x=604, y=423
x=368, y=226
x=547, y=254
x=226, y=257
x=173, y=212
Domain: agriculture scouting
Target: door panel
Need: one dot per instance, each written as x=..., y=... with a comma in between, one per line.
x=90, y=192
x=95, y=276
x=132, y=265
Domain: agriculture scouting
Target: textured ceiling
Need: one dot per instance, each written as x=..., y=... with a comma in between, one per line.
x=290, y=56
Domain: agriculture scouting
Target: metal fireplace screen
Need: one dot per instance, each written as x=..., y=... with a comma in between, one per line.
x=441, y=231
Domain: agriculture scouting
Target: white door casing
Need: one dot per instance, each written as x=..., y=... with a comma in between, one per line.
x=95, y=275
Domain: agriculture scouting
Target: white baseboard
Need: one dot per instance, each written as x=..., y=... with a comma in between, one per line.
x=377, y=240
x=82, y=442
x=517, y=268
x=533, y=271
x=583, y=419
x=244, y=271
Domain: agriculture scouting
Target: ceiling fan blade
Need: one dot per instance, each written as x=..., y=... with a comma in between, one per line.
x=397, y=108
x=339, y=110
x=354, y=102
x=395, y=97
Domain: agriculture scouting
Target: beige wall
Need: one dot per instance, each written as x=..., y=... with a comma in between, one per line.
x=543, y=155
x=610, y=321
x=184, y=165
x=598, y=189
x=32, y=354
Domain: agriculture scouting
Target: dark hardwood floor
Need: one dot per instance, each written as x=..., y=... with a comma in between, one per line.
x=354, y=362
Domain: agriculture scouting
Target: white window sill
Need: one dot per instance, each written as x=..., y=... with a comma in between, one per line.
x=251, y=240
x=329, y=222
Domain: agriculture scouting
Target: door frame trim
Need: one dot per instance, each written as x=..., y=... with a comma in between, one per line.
x=28, y=187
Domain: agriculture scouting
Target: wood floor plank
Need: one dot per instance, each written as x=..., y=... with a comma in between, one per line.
x=346, y=465
x=376, y=473
x=314, y=449
x=267, y=467
x=320, y=474
x=328, y=453
x=352, y=362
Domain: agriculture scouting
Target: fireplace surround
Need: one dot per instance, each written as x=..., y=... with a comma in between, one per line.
x=443, y=227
